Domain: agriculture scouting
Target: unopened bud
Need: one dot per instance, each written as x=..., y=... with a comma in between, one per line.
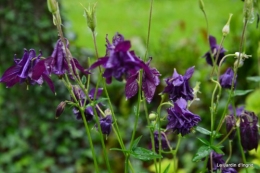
x=201, y=5
x=152, y=116
x=226, y=28
x=52, y=6
x=60, y=109
x=91, y=16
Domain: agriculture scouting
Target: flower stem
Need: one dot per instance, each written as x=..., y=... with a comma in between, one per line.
x=241, y=148
x=175, y=153
x=149, y=30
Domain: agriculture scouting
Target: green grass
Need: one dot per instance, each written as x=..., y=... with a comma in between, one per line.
x=172, y=20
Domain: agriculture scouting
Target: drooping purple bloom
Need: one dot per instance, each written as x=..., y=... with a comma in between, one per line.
x=230, y=125
x=178, y=86
x=150, y=80
x=119, y=61
x=215, y=162
x=164, y=141
x=214, y=49
x=180, y=119
x=249, y=130
x=226, y=79
x=81, y=98
x=22, y=71
x=106, y=124
x=57, y=63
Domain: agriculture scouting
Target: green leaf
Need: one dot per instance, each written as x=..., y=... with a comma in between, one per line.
x=202, y=130
x=217, y=149
x=167, y=168
x=144, y=154
x=135, y=143
x=216, y=135
x=84, y=80
x=202, y=152
x=254, y=78
x=204, y=141
x=241, y=92
x=257, y=167
x=252, y=101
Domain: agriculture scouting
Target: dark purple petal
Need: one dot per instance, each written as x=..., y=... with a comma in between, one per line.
x=212, y=41
x=78, y=66
x=180, y=119
x=100, y=61
x=226, y=79
x=92, y=93
x=189, y=73
x=131, y=87
x=178, y=86
x=49, y=82
x=106, y=124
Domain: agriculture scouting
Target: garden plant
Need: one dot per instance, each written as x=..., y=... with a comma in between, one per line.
x=163, y=108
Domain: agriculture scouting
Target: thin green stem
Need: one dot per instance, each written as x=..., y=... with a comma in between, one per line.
x=175, y=153
x=151, y=130
x=214, y=108
x=230, y=151
x=149, y=30
x=90, y=141
x=241, y=148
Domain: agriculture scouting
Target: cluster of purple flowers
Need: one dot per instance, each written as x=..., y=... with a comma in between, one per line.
x=34, y=69
x=121, y=63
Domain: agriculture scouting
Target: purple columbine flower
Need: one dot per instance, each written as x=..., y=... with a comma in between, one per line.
x=180, y=119
x=249, y=130
x=226, y=79
x=106, y=124
x=22, y=71
x=57, y=63
x=150, y=80
x=119, y=61
x=164, y=141
x=230, y=125
x=81, y=98
x=214, y=162
x=214, y=49
x=178, y=85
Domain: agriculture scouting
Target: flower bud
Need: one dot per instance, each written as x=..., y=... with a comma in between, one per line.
x=226, y=28
x=52, y=6
x=91, y=17
x=152, y=116
x=201, y=5
x=60, y=109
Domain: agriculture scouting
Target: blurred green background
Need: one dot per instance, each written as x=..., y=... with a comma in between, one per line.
x=32, y=140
